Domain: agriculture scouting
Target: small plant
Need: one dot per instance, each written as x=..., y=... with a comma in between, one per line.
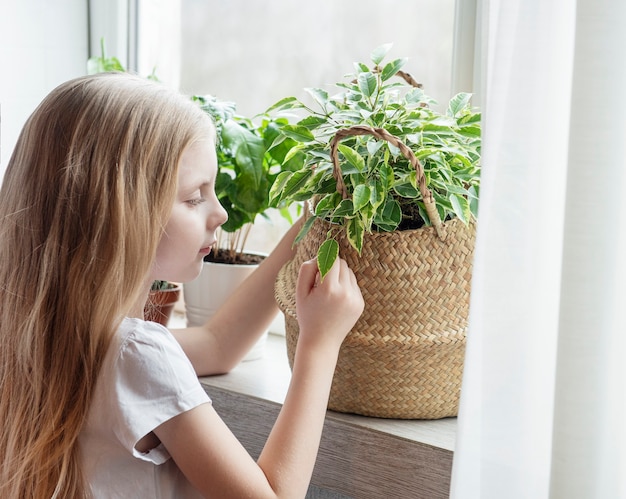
x=103, y=63
x=375, y=187
x=247, y=169
x=161, y=285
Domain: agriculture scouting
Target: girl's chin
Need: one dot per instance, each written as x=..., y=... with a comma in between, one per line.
x=197, y=270
x=191, y=273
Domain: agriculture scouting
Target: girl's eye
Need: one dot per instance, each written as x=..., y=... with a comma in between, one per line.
x=195, y=201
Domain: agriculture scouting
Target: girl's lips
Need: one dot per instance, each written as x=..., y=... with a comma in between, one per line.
x=207, y=250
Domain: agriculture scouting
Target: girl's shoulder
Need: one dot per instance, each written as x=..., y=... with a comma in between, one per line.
x=137, y=339
x=147, y=361
x=138, y=330
x=131, y=328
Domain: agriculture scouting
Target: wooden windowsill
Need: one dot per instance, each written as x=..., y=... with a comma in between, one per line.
x=359, y=457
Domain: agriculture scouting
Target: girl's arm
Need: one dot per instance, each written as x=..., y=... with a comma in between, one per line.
x=208, y=453
x=218, y=345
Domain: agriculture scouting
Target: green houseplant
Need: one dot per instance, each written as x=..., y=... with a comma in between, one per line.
x=378, y=188
x=247, y=169
x=393, y=187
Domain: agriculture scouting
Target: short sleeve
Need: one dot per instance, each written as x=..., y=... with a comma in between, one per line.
x=154, y=381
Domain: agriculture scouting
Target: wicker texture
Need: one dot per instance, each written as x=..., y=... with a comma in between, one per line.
x=404, y=356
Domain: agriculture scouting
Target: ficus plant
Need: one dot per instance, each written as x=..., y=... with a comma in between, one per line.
x=374, y=186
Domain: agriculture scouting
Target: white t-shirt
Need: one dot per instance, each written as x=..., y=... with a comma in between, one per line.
x=146, y=379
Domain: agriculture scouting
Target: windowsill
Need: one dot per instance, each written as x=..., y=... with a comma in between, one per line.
x=359, y=456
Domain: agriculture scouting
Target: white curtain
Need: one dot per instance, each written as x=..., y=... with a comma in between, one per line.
x=543, y=405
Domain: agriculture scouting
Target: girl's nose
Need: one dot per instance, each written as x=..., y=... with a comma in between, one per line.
x=218, y=217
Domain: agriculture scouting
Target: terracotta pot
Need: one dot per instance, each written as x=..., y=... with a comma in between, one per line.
x=161, y=303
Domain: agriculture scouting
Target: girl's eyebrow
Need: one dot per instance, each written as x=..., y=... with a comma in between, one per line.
x=196, y=184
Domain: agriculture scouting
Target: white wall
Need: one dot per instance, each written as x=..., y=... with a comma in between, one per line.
x=42, y=44
x=255, y=53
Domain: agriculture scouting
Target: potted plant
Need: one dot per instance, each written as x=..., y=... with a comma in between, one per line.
x=247, y=169
x=161, y=301
x=394, y=187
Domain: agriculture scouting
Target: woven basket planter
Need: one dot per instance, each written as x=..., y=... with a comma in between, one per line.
x=404, y=356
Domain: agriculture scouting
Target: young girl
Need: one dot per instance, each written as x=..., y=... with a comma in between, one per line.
x=110, y=187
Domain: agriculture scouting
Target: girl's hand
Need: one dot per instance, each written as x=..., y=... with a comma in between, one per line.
x=327, y=309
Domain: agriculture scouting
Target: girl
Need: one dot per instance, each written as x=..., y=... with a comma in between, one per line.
x=110, y=187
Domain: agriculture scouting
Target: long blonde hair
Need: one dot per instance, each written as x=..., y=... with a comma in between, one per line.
x=84, y=200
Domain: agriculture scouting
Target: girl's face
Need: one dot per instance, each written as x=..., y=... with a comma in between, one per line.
x=196, y=215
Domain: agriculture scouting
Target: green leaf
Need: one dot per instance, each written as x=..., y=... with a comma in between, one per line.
x=389, y=217
x=395, y=152
x=320, y=96
x=295, y=182
x=326, y=256
x=391, y=68
x=473, y=201
x=298, y=133
x=359, y=67
x=286, y=103
x=278, y=185
x=312, y=122
x=367, y=83
x=304, y=229
x=353, y=157
x=378, y=194
x=327, y=204
x=248, y=150
x=380, y=52
x=414, y=96
x=406, y=190
x=386, y=176
x=373, y=146
x=444, y=126
x=103, y=65
x=472, y=130
x=366, y=214
x=361, y=197
x=355, y=232
x=324, y=155
x=460, y=207
x=345, y=209
x=466, y=119
x=458, y=103
x=292, y=153
x=457, y=189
